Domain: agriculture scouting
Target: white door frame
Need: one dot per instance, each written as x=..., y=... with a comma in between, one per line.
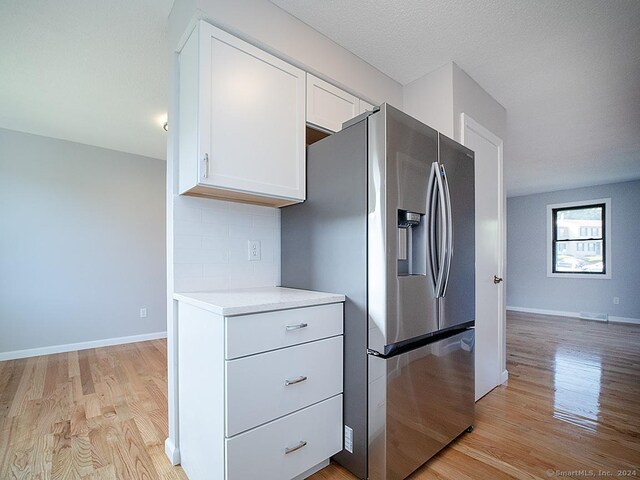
x=466, y=122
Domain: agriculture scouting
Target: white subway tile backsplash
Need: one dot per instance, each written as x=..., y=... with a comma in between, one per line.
x=263, y=275
x=188, y=270
x=188, y=214
x=216, y=270
x=211, y=244
x=187, y=241
x=215, y=242
x=218, y=216
x=200, y=255
x=260, y=221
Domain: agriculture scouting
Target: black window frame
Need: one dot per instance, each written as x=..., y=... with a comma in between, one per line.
x=555, y=240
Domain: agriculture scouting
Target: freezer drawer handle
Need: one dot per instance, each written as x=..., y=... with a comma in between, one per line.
x=288, y=450
x=300, y=379
x=296, y=327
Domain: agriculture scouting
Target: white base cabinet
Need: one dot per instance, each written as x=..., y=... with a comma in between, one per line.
x=270, y=409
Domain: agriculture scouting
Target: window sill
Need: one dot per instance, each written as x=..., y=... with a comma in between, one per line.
x=591, y=276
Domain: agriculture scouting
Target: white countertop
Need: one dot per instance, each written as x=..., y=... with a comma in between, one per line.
x=255, y=300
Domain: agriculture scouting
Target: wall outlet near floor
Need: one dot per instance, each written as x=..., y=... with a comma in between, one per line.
x=616, y=300
x=143, y=312
x=254, y=250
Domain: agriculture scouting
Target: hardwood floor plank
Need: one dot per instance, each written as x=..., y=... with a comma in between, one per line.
x=85, y=371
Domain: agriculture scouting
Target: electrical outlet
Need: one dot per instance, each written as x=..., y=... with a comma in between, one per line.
x=254, y=250
x=348, y=439
x=616, y=300
x=143, y=312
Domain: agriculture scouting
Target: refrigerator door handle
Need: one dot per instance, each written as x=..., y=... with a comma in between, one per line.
x=442, y=248
x=448, y=235
x=432, y=259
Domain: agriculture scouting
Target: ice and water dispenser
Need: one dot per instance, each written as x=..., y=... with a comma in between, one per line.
x=412, y=243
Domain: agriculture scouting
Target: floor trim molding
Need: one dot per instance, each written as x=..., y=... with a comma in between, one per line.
x=172, y=452
x=70, y=347
x=541, y=311
x=504, y=376
x=635, y=321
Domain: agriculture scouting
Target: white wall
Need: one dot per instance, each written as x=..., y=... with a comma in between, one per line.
x=266, y=25
x=471, y=99
x=527, y=283
x=439, y=97
x=430, y=99
x=81, y=244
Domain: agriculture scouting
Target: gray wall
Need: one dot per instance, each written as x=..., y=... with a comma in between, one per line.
x=527, y=282
x=82, y=242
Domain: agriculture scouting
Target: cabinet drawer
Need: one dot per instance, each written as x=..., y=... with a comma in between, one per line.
x=260, y=388
x=261, y=452
x=260, y=332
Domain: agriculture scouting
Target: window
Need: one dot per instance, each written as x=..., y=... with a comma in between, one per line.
x=578, y=243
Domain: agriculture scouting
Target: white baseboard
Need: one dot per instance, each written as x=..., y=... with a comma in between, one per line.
x=542, y=311
x=172, y=452
x=70, y=347
x=624, y=320
x=504, y=376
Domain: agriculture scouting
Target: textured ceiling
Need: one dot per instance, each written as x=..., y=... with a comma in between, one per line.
x=88, y=71
x=568, y=73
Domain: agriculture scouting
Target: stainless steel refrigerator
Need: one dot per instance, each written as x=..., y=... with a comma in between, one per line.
x=389, y=222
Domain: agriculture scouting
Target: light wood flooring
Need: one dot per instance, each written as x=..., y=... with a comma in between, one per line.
x=92, y=414
x=571, y=409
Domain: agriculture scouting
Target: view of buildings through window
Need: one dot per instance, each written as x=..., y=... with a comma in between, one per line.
x=579, y=239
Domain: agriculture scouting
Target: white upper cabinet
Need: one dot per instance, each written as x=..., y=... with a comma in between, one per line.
x=328, y=106
x=241, y=121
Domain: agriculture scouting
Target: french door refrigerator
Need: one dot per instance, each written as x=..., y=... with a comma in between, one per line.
x=389, y=222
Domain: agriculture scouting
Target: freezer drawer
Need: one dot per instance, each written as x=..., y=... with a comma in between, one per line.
x=419, y=401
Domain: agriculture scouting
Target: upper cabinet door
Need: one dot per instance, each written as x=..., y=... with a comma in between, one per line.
x=249, y=121
x=328, y=106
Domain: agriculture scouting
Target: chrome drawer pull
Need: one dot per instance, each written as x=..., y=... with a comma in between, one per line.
x=293, y=449
x=301, y=378
x=296, y=327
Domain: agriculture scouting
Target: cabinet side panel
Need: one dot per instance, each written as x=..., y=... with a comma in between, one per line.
x=324, y=247
x=201, y=396
x=188, y=115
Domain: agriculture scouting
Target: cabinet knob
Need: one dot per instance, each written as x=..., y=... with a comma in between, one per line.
x=497, y=279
